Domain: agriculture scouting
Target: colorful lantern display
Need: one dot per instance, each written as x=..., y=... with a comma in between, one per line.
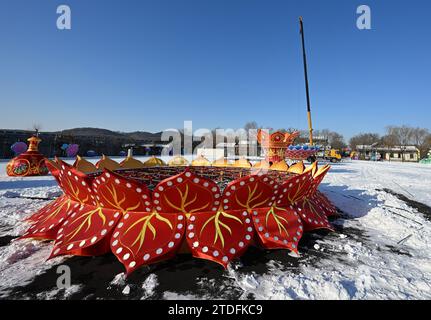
x=29, y=163
x=275, y=144
x=149, y=212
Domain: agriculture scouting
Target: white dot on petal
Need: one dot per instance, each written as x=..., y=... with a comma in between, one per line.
x=205, y=249
x=195, y=244
x=146, y=257
x=248, y=237
x=241, y=244
x=132, y=264
x=93, y=240
x=177, y=236
x=225, y=259
x=115, y=243
x=232, y=250
x=70, y=246
x=119, y=250
x=82, y=243
x=215, y=253
x=126, y=256
x=159, y=250
x=171, y=244
x=191, y=235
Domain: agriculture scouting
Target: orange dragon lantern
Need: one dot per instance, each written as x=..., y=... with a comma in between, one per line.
x=149, y=213
x=29, y=163
x=275, y=144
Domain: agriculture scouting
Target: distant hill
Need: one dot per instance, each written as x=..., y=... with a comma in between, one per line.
x=91, y=132
x=102, y=141
x=143, y=135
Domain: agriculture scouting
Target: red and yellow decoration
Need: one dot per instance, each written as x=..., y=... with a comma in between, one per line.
x=29, y=163
x=147, y=214
x=275, y=144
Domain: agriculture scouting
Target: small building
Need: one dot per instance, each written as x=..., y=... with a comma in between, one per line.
x=375, y=152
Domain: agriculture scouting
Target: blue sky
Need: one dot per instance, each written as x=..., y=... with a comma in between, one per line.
x=151, y=64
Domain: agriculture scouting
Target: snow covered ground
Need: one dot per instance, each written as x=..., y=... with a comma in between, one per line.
x=380, y=249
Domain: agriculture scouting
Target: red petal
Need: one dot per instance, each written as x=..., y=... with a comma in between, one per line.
x=294, y=189
x=186, y=193
x=252, y=191
x=116, y=192
x=86, y=231
x=76, y=185
x=312, y=216
x=222, y=246
x=48, y=223
x=328, y=208
x=44, y=211
x=53, y=169
x=278, y=227
x=144, y=238
x=318, y=177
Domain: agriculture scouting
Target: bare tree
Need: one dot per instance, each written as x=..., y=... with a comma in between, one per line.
x=364, y=139
x=403, y=135
x=251, y=125
x=420, y=138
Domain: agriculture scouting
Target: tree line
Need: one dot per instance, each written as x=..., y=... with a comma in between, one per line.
x=399, y=136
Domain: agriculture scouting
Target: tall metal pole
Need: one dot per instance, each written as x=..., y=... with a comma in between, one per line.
x=310, y=126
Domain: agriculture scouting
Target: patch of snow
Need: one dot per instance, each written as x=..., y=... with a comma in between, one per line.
x=149, y=286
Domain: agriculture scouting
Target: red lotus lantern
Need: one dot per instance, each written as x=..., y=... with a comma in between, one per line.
x=29, y=163
x=148, y=214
